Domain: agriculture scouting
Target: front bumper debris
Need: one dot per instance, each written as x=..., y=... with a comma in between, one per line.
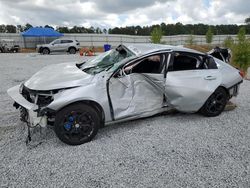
x=32, y=109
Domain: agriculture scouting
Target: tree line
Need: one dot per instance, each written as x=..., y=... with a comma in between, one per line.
x=167, y=29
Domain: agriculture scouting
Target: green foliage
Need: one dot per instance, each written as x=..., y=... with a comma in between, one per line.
x=49, y=26
x=209, y=35
x=2, y=28
x=20, y=28
x=62, y=29
x=156, y=35
x=167, y=29
x=77, y=29
x=10, y=29
x=178, y=29
x=228, y=42
x=190, y=40
x=27, y=26
x=104, y=31
x=242, y=35
x=247, y=20
x=241, y=50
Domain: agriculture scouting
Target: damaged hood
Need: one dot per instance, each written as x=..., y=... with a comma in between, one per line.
x=58, y=76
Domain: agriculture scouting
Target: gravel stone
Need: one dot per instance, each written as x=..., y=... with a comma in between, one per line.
x=171, y=150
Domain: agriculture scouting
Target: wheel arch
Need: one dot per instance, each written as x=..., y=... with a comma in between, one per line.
x=223, y=87
x=45, y=48
x=40, y=49
x=220, y=86
x=72, y=47
x=93, y=104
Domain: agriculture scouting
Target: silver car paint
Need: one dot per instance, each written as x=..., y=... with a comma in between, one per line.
x=94, y=91
x=141, y=49
x=126, y=95
x=135, y=95
x=30, y=107
x=58, y=76
x=17, y=97
x=188, y=90
x=229, y=74
x=56, y=45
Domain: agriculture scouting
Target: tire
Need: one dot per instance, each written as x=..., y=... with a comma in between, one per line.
x=77, y=124
x=45, y=51
x=72, y=50
x=40, y=50
x=215, y=104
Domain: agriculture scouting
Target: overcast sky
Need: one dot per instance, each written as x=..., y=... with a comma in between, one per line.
x=111, y=13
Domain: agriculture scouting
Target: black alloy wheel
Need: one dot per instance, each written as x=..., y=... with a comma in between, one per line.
x=45, y=51
x=72, y=50
x=77, y=124
x=215, y=104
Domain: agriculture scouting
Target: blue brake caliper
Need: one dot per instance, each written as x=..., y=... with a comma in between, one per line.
x=69, y=124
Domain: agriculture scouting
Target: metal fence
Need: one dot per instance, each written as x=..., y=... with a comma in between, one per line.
x=114, y=40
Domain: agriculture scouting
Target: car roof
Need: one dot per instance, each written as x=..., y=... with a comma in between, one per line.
x=66, y=39
x=146, y=48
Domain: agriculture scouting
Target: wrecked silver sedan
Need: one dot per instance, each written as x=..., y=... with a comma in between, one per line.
x=129, y=82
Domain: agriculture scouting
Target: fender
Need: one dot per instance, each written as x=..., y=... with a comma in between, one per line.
x=91, y=92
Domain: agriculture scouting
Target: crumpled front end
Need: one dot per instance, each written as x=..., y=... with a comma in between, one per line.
x=32, y=105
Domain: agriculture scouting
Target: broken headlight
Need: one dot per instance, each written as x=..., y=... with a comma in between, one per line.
x=41, y=98
x=44, y=100
x=21, y=88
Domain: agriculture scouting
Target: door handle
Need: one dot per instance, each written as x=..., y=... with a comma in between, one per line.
x=210, y=78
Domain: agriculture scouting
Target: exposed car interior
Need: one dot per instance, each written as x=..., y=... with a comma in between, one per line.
x=182, y=62
x=209, y=63
x=152, y=64
x=221, y=53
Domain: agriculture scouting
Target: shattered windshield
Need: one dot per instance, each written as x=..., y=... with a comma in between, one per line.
x=105, y=60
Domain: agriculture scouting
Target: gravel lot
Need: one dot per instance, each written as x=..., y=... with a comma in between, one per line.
x=174, y=150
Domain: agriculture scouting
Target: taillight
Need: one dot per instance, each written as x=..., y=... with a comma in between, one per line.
x=242, y=74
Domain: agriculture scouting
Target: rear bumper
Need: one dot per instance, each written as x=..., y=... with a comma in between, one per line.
x=234, y=90
x=32, y=109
